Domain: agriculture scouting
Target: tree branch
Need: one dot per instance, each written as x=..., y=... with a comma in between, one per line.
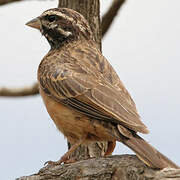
x=126, y=167
x=27, y=91
x=3, y=2
x=109, y=16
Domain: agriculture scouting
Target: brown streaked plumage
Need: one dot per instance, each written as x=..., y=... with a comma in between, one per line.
x=83, y=94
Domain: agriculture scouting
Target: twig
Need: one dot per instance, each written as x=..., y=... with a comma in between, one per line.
x=3, y=2
x=27, y=91
x=109, y=16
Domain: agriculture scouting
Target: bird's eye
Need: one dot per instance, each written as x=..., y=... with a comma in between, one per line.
x=52, y=18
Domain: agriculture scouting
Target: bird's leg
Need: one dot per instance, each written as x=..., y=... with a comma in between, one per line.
x=65, y=157
x=110, y=149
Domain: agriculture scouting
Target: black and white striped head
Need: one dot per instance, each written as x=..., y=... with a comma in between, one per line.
x=60, y=25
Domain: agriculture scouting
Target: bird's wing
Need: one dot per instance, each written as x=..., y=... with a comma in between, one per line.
x=84, y=88
x=91, y=96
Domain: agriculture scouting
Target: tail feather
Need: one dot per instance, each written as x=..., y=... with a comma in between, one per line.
x=148, y=154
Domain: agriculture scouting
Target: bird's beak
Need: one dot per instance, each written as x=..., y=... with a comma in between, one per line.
x=34, y=23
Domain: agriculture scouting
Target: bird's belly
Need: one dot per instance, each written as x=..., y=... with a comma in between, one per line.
x=73, y=124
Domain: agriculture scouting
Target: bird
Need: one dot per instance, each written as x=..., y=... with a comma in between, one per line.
x=83, y=94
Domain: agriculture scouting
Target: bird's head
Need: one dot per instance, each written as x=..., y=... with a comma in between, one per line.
x=61, y=25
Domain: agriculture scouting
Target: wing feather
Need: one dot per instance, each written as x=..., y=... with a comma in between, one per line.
x=93, y=97
x=86, y=82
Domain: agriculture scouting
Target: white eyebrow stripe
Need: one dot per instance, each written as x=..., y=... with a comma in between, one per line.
x=52, y=12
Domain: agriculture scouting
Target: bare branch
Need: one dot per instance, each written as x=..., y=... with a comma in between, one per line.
x=114, y=167
x=27, y=91
x=3, y=2
x=109, y=16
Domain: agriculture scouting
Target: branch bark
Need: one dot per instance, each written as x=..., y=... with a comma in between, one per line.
x=124, y=167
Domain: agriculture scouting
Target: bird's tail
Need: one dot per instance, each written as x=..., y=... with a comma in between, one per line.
x=148, y=154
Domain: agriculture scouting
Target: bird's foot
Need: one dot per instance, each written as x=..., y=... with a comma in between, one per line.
x=63, y=159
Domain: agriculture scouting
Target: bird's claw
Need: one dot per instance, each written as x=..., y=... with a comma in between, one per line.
x=55, y=163
x=62, y=160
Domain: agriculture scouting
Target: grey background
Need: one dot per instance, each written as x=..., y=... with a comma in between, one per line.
x=142, y=45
